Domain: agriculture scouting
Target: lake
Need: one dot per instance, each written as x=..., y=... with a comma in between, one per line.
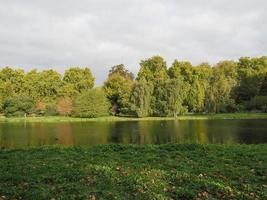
x=23, y=135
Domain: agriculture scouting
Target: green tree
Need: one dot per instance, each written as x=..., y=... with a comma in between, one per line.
x=182, y=69
x=64, y=106
x=220, y=93
x=176, y=94
x=118, y=88
x=152, y=69
x=141, y=98
x=258, y=103
x=43, y=86
x=91, y=103
x=250, y=71
x=12, y=81
x=67, y=90
x=263, y=88
x=18, y=106
x=195, y=77
x=81, y=78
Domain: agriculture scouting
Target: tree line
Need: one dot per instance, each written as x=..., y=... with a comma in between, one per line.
x=157, y=90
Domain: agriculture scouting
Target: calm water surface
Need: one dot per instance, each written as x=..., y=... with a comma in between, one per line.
x=18, y=135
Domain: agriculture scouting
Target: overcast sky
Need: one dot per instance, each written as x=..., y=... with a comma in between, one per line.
x=55, y=34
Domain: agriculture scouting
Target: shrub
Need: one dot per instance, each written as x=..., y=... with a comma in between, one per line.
x=51, y=109
x=258, y=103
x=92, y=103
x=64, y=106
x=40, y=108
x=18, y=106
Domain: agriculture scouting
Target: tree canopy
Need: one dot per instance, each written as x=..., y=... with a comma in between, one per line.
x=227, y=86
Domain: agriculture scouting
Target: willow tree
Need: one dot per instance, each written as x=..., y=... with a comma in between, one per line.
x=154, y=71
x=141, y=98
x=176, y=94
x=220, y=93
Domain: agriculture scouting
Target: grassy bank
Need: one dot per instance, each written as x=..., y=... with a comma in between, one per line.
x=186, y=171
x=113, y=118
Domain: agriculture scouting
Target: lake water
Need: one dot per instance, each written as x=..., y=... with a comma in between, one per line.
x=21, y=135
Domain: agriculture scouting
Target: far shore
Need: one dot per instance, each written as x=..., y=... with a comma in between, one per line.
x=123, y=118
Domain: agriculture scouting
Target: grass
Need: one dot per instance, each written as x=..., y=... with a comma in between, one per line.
x=113, y=118
x=172, y=171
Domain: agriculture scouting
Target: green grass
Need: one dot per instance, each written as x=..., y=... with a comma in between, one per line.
x=173, y=171
x=113, y=118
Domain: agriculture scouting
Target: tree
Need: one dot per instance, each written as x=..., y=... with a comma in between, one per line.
x=258, y=103
x=91, y=103
x=182, y=69
x=67, y=90
x=32, y=85
x=81, y=78
x=18, y=106
x=153, y=69
x=118, y=88
x=159, y=99
x=220, y=93
x=141, y=98
x=121, y=70
x=64, y=106
x=195, y=99
x=12, y=81
x=195, y=78
x=176, y=93
x=40, y=108
x=251, y=74
x=263, y=88
x=43, y=86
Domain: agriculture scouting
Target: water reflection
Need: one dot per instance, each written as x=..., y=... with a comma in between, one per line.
x=18, y=135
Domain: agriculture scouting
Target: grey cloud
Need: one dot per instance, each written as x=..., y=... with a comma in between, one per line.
x=101, y=33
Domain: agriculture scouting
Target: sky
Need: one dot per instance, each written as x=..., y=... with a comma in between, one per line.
x=57, y=34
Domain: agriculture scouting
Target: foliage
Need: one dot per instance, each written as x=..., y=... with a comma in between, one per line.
x=92, y=103
x=51, y=109
x=40, y=108
x=64, y=106
x=18, y=106
x=118, y=88
x=154, y=71
x=141, y=98
x=81, y=79
x=251, y=71
x=263, y=88
x=258, y=102
x=219, y=95
x=227, y=86
x=154, y=68
x=172, y=171
x=12, y=80
x=176, y=95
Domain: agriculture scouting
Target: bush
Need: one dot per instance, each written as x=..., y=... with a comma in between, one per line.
x=40, y=108
x=92, y=103
x=64, y=106
x=258, y=103
x=51, y=109
x=18, y=106
x=228, y=107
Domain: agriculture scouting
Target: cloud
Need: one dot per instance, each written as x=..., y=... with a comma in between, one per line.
x=101, y=33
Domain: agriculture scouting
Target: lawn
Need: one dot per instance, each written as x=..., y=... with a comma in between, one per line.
x=114, y=118
x=172, y=171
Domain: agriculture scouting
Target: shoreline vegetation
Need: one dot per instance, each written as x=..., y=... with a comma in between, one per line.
x=158, y=89
x=172, y=171
x=124, y=118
